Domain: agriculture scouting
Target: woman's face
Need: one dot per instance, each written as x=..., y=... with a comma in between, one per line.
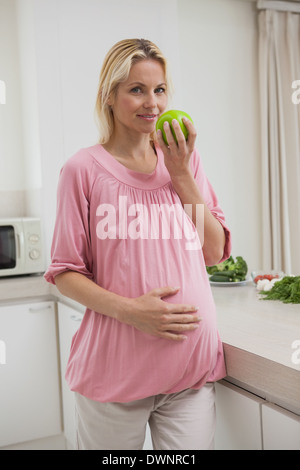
x=141, y=99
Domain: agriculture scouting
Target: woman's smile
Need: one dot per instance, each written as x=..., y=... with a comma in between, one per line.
x=148, y=117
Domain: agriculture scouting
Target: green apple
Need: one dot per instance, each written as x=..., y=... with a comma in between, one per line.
x=169, y=116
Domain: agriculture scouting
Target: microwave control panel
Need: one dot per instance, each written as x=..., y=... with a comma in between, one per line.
x=33, y=244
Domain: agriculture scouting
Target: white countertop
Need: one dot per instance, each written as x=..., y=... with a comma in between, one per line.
x=23, y=287
x=32, y=288
x=263, y=327
x=257, y=335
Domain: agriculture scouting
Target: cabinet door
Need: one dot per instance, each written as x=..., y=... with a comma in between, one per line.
x=69, y=320
x=29, y=378
x=281, y=429
x=238, y=419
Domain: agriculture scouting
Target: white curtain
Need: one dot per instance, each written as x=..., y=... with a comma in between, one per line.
x=279, y=70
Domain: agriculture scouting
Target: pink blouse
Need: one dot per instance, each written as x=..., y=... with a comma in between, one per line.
x=128, y=232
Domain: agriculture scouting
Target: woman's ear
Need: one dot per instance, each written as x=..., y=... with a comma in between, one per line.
x=110, y=100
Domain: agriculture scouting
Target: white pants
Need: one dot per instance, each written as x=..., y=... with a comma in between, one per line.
x=178, y=421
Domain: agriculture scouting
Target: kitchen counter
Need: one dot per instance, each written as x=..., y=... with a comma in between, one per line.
x=21, y=288
x=30, y=289
x=257, y=335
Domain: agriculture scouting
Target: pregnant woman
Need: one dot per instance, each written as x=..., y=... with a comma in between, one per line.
x=125, y=246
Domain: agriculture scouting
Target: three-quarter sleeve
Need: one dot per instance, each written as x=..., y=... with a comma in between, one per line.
x=211, y=200
x=71, y=244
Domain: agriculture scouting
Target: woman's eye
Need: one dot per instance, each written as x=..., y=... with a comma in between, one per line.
x=136, y=90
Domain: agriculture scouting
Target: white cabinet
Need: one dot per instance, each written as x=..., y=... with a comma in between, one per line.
x=247, y=422
x=29, y=378
x=281, y=429
x=238, y=419
x=69, y=320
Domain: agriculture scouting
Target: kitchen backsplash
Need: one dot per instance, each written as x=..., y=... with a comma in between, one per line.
x=12, y=203
x=23, y=203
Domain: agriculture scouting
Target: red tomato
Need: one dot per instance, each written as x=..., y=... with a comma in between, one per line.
x=259, y=277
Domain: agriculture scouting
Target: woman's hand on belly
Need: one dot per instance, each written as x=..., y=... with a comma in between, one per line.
x=150, y=314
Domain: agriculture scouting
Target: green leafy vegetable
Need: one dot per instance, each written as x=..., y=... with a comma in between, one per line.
x=229, y=270
x=287, y=290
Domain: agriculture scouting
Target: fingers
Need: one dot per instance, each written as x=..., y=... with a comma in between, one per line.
x=179, y=139
x=166, y=319
x=192, y=133
x=161, y=141
x=177, y=331
x=173, y=336
x=171, y=133
x=172, y=308
x=176, y=137
x=165, y=291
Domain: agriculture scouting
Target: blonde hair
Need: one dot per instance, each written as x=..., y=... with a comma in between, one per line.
x=115, y=69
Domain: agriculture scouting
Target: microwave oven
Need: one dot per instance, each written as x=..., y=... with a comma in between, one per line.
x=21, y=250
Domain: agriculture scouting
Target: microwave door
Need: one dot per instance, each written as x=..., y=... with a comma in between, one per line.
x=8, y=255
x=19, y=242
x=18, y=245
x=10, y=249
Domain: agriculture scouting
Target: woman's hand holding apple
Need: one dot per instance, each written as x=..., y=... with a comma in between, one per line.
x=179, y=149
